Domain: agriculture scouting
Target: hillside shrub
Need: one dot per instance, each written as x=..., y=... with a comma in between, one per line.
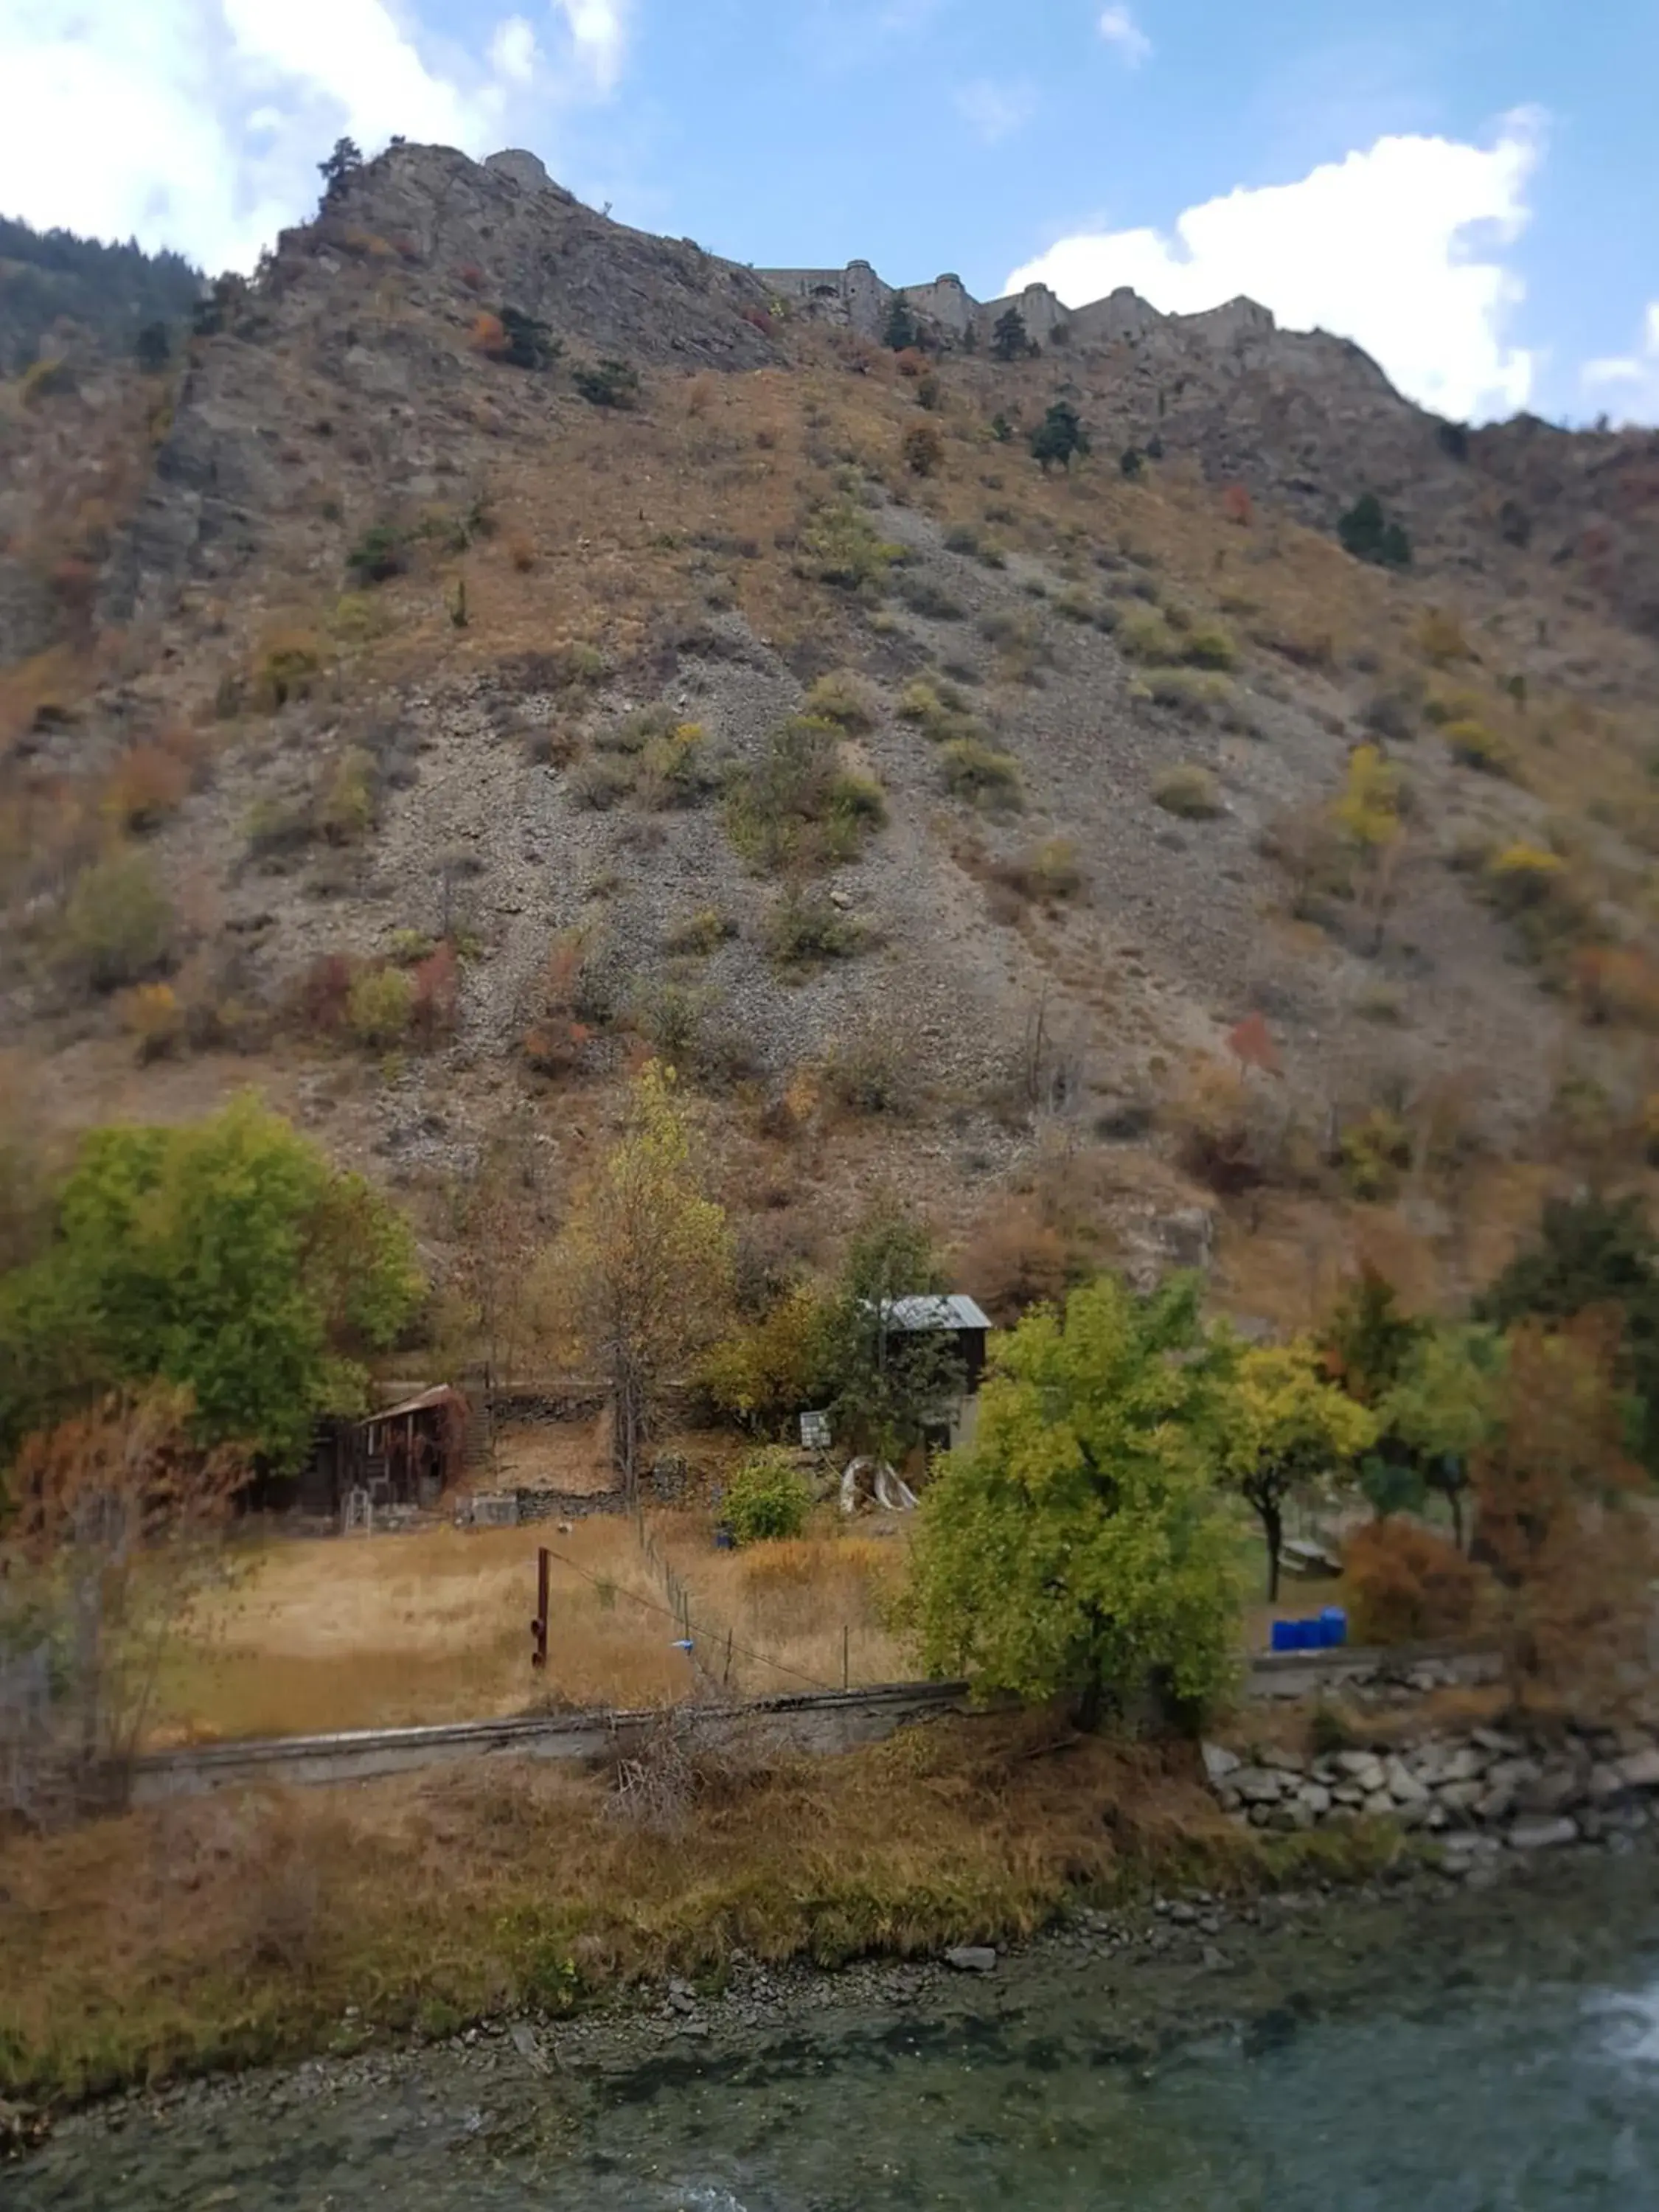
x=1472, y=744
x=796, y=806
x=345, y=805
x=841, y=545
x=1375, y=1151
x=288, y=666
x=972, y=771
x=700, y=933
x=380, y=1007
x=524, y=342
x=377, y=555
x=930, y=601
x=607, y=383
x=678, y=768
x=1407, y=1585
x=1044, y=873
x=767, y=1500
x=923, y=449
x=152, y=1018
x=1189, y=792
x=1538, y=892
x=1210, y=645
x=1146, y=636
x=871, y=1073
x=118, y=927
x=805, y=930
x=845, y=698
x=1193, y=692
x=147, y=784
x=600, y=783
x=1366, y=532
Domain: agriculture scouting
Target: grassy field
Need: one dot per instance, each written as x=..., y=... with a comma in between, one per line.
x=381, y=1632
x=389, y=1631
x=223, y=1930
x=392, y=1631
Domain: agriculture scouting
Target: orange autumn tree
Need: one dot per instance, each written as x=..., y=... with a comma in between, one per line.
x=116, y=1523
x=1557, y=1519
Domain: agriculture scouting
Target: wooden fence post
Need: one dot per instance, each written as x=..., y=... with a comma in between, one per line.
x=539, y=1626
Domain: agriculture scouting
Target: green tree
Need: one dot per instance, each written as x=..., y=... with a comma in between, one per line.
x=1080, y=1549
x=1443, y=1407
x=343, y=162
x=885, y=1386
x=1288, y=1425
x=767, y=1498
x=646, y=1263
x=1009, y=339
x=1590, y=1252
x=153, y=348
x=227, y=1258
x=898, y=328
x=1059, y=435
x=1366, y=532
x=1368, y=1340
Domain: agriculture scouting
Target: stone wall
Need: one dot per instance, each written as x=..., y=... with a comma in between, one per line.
x=1488, y=1791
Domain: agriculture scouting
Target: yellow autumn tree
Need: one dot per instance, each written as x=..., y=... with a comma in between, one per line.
x=645, y=1264
x=1287, y=1426
x=1367, y=813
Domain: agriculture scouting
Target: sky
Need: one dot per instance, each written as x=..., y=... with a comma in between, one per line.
x=1470, y=192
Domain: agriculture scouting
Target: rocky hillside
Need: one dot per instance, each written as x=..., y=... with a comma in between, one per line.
x=510, y=643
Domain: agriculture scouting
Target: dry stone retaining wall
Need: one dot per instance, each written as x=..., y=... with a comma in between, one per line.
x=1491, y=1790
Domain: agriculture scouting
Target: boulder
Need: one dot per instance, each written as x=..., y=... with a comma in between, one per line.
x=1316, y=1798
x=1220, y=1762
x=1536, y=1832
x=1257, y=1785
x=1639, y=1770
x=1554, y=1790
x=972, y=1959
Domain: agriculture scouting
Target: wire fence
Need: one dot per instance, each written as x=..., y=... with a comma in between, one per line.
x=711, y=1649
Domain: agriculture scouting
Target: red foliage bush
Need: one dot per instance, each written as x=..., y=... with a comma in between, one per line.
x=471, y=276
x=489, y=336
x=437, y=994
x=1238, y=505
x=1407, y=1585
x=322, y=994
x=758, y=319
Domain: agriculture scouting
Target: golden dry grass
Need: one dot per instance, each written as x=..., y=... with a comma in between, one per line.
x=794, y=1611
x=388, y=1631
x=393, y=1630
x=224, y=1929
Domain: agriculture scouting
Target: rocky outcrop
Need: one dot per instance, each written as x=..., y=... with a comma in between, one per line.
x=1491, y=1790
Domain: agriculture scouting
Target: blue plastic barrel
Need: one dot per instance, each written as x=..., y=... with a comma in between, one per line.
x=1333, y=1625
x=1285, y=1636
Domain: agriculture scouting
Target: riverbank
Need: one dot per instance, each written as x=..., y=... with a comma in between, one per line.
x=222, y=1932
x=517, y=2111
x=694, y=1891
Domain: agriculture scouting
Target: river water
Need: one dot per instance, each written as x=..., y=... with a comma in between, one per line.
x=1450, y=2054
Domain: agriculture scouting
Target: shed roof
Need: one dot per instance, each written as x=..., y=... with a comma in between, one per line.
x=442, y=1393
x=954, y=1310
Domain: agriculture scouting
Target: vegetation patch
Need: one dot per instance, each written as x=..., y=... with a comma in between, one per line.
x=1189, y=792
x=797, y=806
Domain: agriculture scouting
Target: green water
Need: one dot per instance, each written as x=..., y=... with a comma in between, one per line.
x=1484, y=2055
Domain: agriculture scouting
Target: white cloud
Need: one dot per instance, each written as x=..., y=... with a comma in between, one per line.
x=597, y=33
x=1119, y=29
x=995, y=111
x=199, y=124
x=1398, y=248
x=1634, y=377
x=513, y=50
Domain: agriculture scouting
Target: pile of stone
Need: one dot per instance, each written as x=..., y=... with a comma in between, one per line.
x=1491, y=1789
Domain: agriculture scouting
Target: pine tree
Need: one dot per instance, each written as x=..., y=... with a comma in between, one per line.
x=1010, y=340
